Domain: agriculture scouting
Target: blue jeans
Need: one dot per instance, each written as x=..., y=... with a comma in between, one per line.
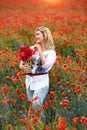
x=40, y=93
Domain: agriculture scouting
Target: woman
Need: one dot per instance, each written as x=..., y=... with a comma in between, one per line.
x=37, y=82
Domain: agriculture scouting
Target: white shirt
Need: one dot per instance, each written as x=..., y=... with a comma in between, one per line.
x=40, y=81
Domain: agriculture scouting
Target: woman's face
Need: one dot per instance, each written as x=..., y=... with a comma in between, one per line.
x=39, y=37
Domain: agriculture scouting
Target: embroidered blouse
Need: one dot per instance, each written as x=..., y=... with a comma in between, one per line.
x=40, y=81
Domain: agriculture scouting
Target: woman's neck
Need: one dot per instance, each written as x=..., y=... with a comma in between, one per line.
x=43, y=47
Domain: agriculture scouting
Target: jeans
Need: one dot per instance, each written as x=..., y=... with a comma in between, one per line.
x=40, y=93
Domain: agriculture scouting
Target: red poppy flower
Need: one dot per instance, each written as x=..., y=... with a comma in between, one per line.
x=25, y=53
x=46, y=128
x=62, y=126
x=29, y=128
x=35, y=119
x=22, y=96
x=83, y=119
x=64, y=102
x=61, y=119
x=5, y=100
x=75, y=120
x=45, y=105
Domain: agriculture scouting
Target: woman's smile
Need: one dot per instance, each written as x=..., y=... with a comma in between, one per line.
x=39, y=37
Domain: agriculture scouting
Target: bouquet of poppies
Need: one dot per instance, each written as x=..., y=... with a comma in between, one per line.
x=25, y=53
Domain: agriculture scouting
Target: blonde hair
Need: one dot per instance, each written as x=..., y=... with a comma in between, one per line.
x=49, y=44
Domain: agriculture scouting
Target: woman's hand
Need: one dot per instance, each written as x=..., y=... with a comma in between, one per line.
x=43, y=58
x=25, y=67
x=39, y=48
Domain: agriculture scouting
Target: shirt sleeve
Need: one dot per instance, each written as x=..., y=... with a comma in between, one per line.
x=50, y=60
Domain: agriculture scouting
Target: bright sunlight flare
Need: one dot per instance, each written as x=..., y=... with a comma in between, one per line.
x=52, y=1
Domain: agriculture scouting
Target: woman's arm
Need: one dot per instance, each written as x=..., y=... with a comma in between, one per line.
x=50, y=60
x=43, y=59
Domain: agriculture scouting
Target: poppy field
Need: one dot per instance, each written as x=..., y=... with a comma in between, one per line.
x=65, y=106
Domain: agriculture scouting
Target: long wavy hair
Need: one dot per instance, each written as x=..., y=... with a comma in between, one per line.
x=49, y=44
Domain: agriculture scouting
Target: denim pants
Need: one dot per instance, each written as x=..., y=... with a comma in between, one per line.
x=40, y=93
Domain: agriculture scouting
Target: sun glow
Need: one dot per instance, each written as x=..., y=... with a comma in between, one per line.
x=52, y=1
